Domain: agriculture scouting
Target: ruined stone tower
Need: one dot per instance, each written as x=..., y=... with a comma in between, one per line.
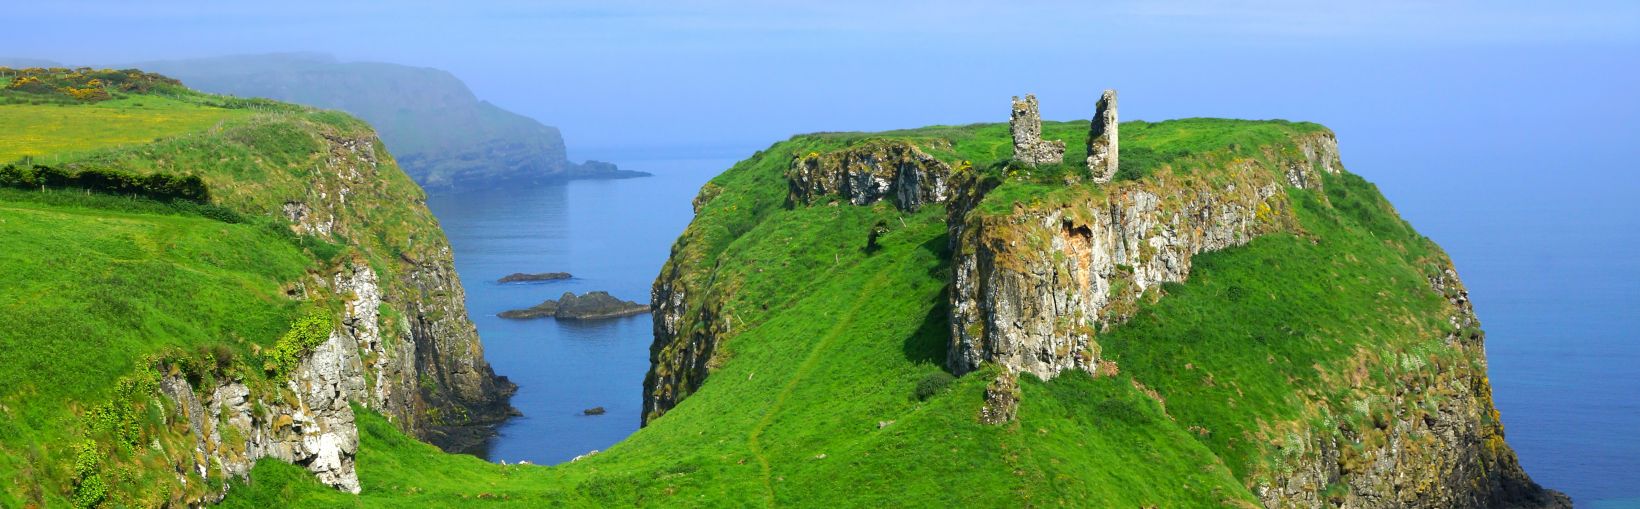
x=1026, y=126
x=1101, y=138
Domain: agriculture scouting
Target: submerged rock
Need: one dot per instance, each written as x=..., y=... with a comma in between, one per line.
x=520, y=277
x=592, y=306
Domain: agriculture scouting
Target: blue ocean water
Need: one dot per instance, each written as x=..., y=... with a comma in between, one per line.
x=1552, y=265
x=612, y=235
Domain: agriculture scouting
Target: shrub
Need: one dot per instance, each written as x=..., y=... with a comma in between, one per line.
x=304, y=335
x=933, y=383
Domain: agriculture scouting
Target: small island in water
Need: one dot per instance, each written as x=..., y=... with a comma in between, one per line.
x=520, y=277
x=592, y=306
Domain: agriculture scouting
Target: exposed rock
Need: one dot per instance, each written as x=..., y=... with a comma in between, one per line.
x=521, y=277
x=1030, y=289
x=591, y=306
x=1452, y=456
x=1025, y=124
x=1001, y=400
x=426, y=372
x=310, y=423
x=868, y=172
x=1102, y=147
x=597, y=410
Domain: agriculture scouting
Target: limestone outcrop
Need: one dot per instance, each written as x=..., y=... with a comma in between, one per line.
x=307, y=421
x=1025, y=125
x=1030, y=289
x=402, y=344
x=872, y=171
x=1102, y=143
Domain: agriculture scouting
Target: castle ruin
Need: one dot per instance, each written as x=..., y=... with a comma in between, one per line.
x=1026, y=126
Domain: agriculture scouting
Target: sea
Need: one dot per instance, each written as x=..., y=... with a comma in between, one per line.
x=1553, y=271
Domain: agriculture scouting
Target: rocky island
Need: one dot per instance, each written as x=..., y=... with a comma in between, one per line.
x=592, y=306
x=521, y=277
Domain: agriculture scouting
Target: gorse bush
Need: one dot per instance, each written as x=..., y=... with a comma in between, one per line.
x=84, y=84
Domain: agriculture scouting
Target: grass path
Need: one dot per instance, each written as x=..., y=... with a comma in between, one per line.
x=753, y=439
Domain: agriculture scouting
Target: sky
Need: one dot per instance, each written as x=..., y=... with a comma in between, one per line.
x=616, y=74
x=1508, y=131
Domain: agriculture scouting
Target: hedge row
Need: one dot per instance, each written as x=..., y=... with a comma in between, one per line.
x=158, y=186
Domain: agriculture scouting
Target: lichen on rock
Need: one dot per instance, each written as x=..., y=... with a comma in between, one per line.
x=1025, y=126
x=1102, y=141
x=869, y=172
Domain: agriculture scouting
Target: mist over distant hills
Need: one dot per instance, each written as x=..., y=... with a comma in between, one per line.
x=441, y=134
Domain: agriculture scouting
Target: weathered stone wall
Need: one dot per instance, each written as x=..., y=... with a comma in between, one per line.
x=1025, y=125
x=1102, y=142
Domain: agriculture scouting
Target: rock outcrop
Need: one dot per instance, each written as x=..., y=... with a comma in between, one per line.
x=522, y=277
x=591, y=306
x=868, y=172
x=1102, y=146
x=1031, y=288
x=1025, y=125
x=402, y=346
x=307, y=421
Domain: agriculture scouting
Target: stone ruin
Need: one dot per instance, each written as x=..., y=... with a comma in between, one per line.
x=1102, y=139
x=1026, y=126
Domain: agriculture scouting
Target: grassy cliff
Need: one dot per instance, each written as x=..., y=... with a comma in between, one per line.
x=156, y=238
x=1326, y=359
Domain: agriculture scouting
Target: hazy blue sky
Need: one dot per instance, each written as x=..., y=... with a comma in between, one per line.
x=621, y=73
x=1508, y=131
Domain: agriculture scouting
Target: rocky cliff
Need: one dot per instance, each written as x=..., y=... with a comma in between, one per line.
x=396, y=338
x=1051, y=262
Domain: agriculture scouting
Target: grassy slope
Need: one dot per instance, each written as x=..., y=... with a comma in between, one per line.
x=91, y=292
x=828, y=343
x=94, y=289
x=53, y=132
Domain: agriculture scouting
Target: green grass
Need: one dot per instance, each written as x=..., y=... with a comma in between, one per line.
x=820, y=385
x=93, y=291
x=52, y=133
x=104, y=293
x=817, y=391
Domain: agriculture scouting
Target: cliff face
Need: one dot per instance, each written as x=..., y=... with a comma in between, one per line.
x=430, y=369
x=1031, y=287
x=402, y=344
x=1035, y=285
x=1046, y=261
x=686, y=300
x=1448, y=451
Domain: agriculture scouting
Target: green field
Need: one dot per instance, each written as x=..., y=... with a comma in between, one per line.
x=53, y=133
